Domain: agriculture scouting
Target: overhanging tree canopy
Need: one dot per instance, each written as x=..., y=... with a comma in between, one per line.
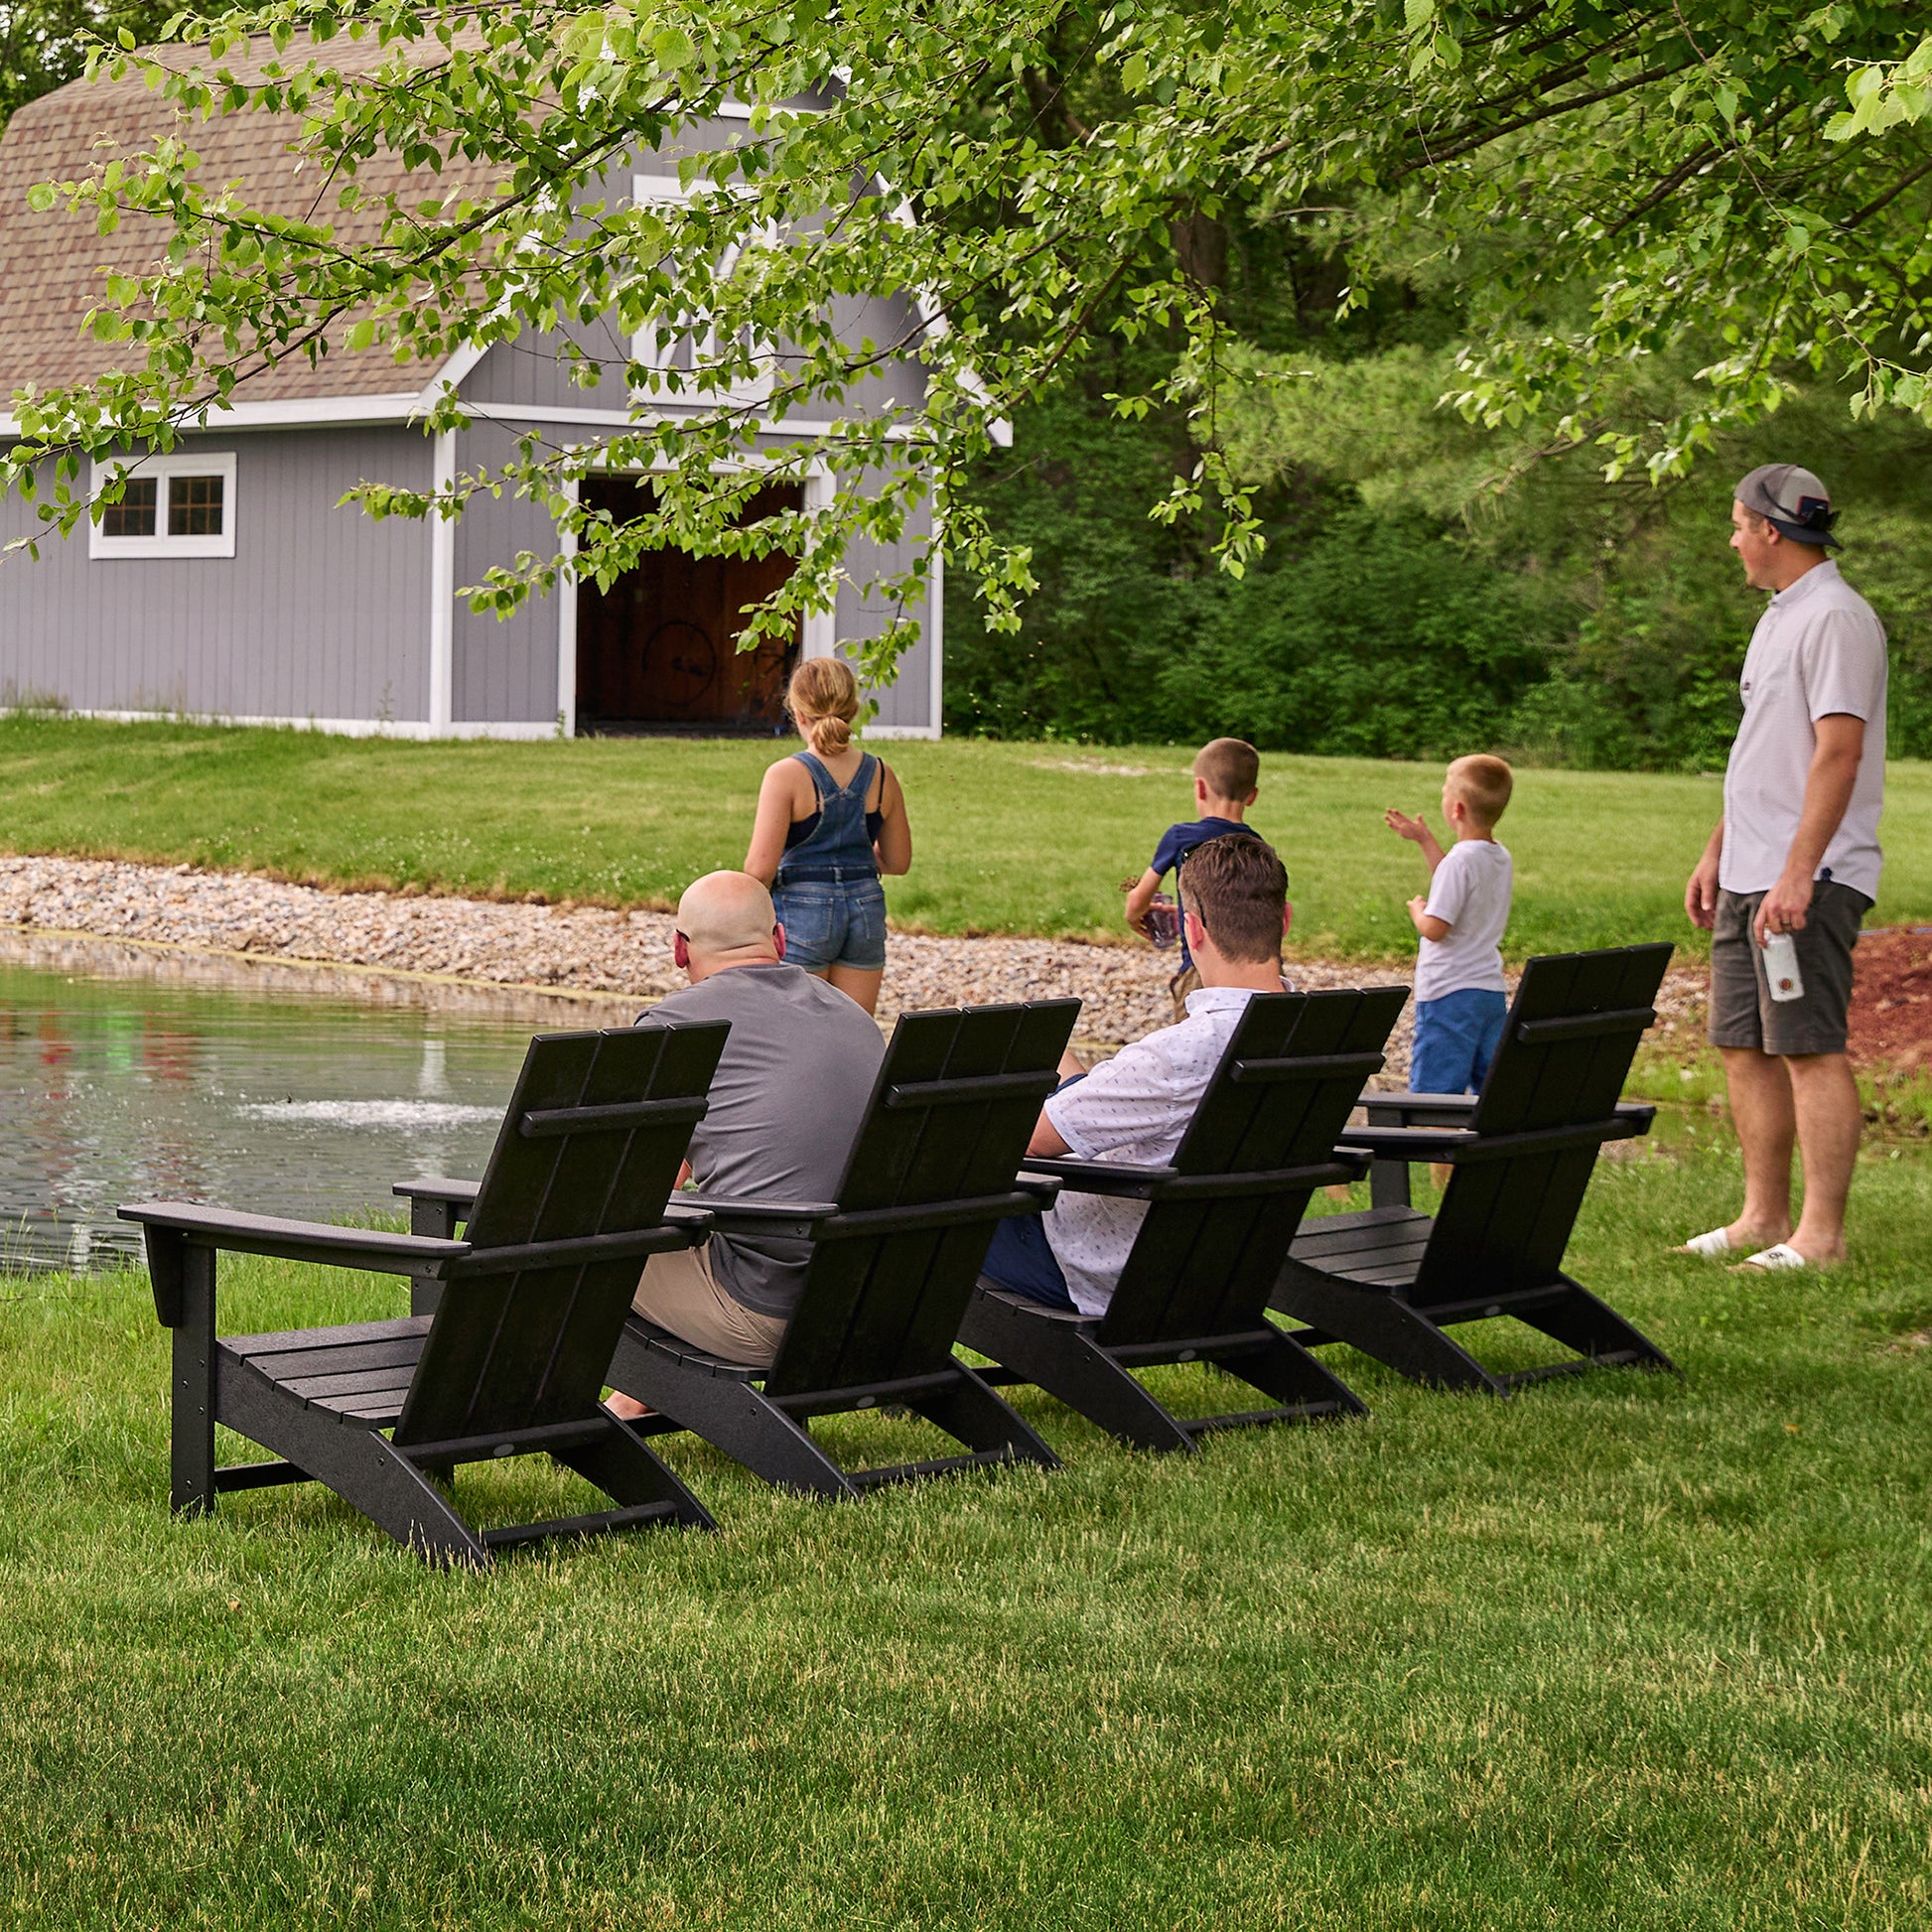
x=1754, y=174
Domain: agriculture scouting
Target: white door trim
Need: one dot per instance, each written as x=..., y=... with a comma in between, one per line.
x=442, y=593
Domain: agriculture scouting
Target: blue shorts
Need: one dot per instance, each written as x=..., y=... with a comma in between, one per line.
x=1457, y=1038
x=833, y=922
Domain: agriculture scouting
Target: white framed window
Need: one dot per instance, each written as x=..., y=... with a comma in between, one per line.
x=181, y=505
x=698, y=347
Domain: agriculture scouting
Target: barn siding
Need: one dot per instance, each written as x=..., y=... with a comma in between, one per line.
x=907, y=704
x=504, y=670
x=322, y=613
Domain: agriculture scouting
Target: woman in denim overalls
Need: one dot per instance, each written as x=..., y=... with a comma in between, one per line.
x=830, y=820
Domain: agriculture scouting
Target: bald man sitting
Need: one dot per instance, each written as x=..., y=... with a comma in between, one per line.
x=785, y=1107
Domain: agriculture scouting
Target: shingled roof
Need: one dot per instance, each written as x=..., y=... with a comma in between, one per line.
x=53, y=266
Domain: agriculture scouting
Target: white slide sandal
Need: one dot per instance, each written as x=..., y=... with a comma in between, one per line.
x=1776, y=1259
x=1708, y=1247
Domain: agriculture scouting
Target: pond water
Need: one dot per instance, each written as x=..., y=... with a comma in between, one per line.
x=119, y=1090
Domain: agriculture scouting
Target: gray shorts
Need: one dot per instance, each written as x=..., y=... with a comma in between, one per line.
x=1742, y=1012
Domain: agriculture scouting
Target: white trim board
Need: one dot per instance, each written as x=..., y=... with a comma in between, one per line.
x=566, y=596
x=415, y=729
x=442, y=590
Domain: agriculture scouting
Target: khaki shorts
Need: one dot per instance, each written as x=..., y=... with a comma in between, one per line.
x=678, y=1292
x=1742, y=1012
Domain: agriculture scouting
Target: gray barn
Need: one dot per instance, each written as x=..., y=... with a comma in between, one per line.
x=230, y=585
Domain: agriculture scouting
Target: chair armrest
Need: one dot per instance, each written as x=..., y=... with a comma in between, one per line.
x=1115, y=1178
x=438, y=1188
x=1457, y=1144
x=745, y=1215
x=1637, y=1116
x=1406, y=1142
x=1044, y=1188
x=1439, y=1109
x=373, y=1249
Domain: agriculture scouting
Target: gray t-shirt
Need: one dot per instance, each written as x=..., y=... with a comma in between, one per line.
x=1469, y=892
x=1819, y=649
x=785, y=1106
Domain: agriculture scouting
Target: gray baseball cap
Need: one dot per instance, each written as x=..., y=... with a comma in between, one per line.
x=1792, y=501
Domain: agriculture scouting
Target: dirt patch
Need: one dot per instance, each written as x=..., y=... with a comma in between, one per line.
x=1892, y=1000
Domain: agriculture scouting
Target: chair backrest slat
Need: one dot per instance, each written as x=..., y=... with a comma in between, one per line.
x=590, y=1146
x=878, y=1306
x=1571, y=1032
x=1291, y=1074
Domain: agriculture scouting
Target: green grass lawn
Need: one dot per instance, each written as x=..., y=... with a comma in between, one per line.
x=1010, y=838
x=1623, y=1652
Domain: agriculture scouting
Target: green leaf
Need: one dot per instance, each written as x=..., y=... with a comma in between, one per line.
x=672, y=48
x=41, y=196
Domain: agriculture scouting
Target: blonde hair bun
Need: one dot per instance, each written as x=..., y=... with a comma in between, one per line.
x=823, y=696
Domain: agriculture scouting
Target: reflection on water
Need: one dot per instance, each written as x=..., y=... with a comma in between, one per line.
x=116, y=1090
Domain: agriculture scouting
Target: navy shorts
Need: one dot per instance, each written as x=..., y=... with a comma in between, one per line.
x=1457, y=1038
x=833, y=922
x=1020, y=1260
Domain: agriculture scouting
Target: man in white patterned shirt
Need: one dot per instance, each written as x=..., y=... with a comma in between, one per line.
x=1137, y=1106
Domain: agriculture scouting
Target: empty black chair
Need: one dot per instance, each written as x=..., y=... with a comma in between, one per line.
x=1195, y=1285
x=1391, y=1282
x=893, y=1262
x=512, y=1360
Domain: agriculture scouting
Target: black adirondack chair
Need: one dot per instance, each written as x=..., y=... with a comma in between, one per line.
x=1391, y=1282
x=893, y=1262
x=1197, y=1281
x=512, y=1360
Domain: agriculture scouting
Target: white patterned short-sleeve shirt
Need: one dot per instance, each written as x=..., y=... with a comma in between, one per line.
x=1818, y=649
x=1133, y=1108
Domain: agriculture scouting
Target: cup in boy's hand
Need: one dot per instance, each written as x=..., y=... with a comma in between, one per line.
x=1163, y=923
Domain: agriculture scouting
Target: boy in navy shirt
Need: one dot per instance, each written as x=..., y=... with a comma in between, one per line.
x=1224, y=787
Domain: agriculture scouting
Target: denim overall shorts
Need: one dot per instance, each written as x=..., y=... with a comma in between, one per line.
x=827, y=894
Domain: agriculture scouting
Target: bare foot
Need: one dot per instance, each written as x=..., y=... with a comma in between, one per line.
x=1821, y=1254
x=626, y=1407
x=1738, y=1240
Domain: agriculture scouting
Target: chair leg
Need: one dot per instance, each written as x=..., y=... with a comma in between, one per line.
x=191, y=1452
x=1593, y=1328
x=731, y=1416
x=1381, y=1326
x=365, y=1469
x=973, y=1414
x=1287, y=1371
x=626, y=1469
x=1068, y=1363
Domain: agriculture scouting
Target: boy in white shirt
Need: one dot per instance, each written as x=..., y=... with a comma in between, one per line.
x=1460, y=995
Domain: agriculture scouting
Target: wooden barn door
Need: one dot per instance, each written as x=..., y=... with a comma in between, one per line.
x=658, y=650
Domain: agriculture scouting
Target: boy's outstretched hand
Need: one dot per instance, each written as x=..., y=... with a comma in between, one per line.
x=1404, y=826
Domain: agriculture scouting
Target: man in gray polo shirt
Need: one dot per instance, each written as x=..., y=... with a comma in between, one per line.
x=1796, y=852
x=784, y=1108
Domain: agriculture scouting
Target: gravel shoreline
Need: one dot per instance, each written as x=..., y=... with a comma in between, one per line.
x=590, y=950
